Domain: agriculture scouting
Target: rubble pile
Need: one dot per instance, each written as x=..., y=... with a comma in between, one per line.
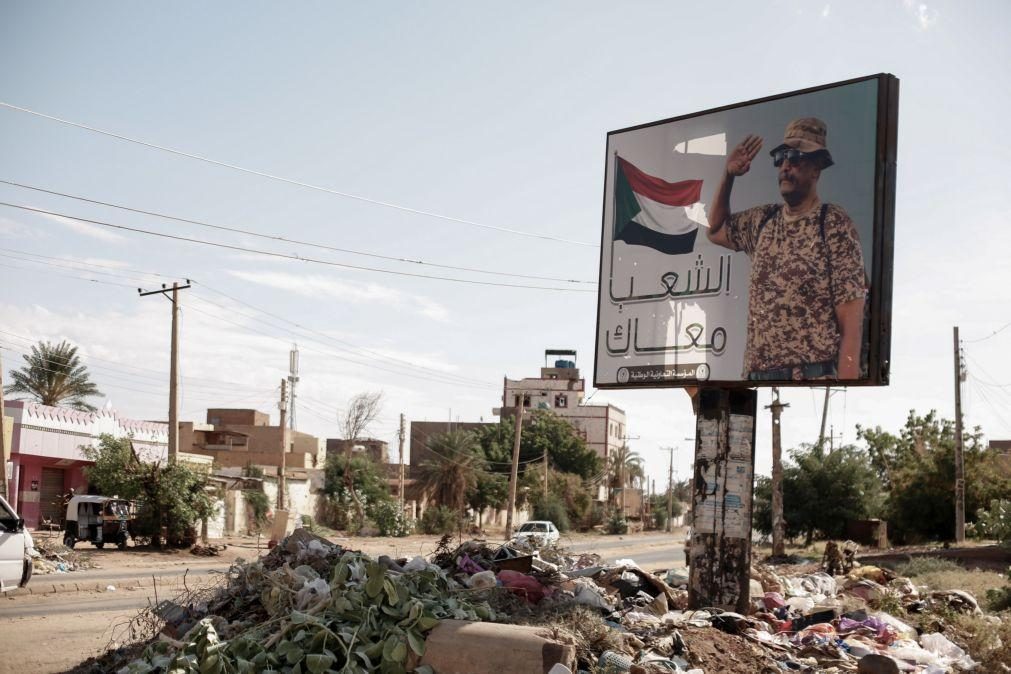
x=475, y=608
x=308, y=606
x=51, y=556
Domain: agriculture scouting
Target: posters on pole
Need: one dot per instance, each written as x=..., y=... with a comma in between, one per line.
x=751, y=245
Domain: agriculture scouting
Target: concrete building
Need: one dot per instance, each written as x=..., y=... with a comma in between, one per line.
x=47, y=458
x=377, y=450
x=560, y=389
x=239, y=437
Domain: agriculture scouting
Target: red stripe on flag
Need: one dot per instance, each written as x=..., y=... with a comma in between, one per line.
x=684, y=193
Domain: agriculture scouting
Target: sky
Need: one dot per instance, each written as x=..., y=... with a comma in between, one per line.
x=459, y=134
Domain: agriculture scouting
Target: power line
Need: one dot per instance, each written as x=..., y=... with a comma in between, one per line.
x=348, y=195
x=161, y=374
x=992, y=334
x=290, y=257
x=353, y=348
x=283, y=239
x=79, y=278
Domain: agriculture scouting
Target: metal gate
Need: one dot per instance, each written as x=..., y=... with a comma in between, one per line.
x=51, y=495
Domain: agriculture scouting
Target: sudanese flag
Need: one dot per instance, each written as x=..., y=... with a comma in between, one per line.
x=652, y=212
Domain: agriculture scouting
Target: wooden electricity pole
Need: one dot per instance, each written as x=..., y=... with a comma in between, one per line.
x=514, y=473
x=778, y=523
x=959, y=449
x=401, y=436
x=670, y=491
x=173, y=411
x=283, y=406
x=545, y=473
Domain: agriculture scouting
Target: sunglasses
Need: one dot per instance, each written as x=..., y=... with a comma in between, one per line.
x=791, y=155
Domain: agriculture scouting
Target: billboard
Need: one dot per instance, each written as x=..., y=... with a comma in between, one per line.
x=751, y=245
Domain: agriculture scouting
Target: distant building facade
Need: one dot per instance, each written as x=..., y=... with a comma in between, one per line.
x=561, y=390
x=47, y=457
x=240, y=437
x=376, y=450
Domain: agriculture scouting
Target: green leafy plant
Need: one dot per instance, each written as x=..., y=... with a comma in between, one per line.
x=390, y=519
x=259, y=504
x=616, y=523
x=995, y=523
x=439, y=520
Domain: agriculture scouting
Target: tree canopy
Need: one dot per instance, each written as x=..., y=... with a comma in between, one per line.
x=54, y=375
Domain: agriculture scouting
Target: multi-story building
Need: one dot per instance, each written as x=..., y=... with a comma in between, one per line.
x=377, y=450
x=561, y=390
x=240, y=437
x=47, y=456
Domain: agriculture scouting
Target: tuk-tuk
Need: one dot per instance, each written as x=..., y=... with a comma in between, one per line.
x=98, y=520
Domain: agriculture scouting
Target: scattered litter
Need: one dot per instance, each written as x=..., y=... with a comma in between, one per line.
x=208, y=550
x=110, y=588
x=310, y=605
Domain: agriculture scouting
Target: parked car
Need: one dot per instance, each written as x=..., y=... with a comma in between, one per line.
x=538, y=532
x=16, y=549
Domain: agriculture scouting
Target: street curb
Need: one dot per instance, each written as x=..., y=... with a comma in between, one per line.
x=47, y=587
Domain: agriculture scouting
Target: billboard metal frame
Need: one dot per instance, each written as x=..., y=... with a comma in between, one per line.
x=882, y=266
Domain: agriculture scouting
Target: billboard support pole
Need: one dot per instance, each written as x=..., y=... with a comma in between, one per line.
x=720, y=552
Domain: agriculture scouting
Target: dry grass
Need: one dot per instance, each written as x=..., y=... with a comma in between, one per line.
x=975, y=583
x=986, y=638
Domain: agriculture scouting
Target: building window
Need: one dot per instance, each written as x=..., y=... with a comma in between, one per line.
x=526, y=400
x=561, y=400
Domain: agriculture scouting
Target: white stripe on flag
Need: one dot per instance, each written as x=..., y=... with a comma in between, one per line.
x=670, y=219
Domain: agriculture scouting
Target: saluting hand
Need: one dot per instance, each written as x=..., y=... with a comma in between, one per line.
x=739, y=161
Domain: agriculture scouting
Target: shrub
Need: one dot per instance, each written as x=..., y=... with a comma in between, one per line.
x=390, y=519
x=259, y=504
x=660, y=519
x=999, y=599
x=616, y=523
x=995, y=523
x=921, y=565
x=553, y=510
x=440, y=520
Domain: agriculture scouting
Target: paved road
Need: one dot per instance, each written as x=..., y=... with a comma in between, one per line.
x=76, y=604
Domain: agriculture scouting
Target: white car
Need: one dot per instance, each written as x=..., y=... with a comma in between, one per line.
x=16, y=549
x=538, y=532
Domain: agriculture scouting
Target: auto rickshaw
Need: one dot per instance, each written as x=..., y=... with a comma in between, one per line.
x=98, y=520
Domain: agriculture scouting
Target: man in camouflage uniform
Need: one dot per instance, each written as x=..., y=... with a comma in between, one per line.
x=808, y=285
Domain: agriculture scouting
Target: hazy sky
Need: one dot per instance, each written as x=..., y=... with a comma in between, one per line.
x=493, y=113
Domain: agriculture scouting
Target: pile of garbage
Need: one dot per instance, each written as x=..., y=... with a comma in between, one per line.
x=52, y=556
x=474, y=608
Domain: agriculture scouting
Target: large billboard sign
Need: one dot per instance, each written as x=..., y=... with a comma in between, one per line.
x=751, y=245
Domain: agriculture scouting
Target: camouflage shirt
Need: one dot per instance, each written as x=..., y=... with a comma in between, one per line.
x=791, y=303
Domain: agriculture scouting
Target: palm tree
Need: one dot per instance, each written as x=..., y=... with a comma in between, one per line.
x=54, y=375
x=624, y=467
x=452, y=473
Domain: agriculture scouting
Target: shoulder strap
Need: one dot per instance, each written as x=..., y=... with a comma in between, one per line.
x=828, y=253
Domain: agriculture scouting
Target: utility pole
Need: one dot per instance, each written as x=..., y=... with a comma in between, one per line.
x=959, y=449
x=283, y=407
x=778, y=523
x=514, y=473
x=289, y=437
x=3, y=440
x=173, y=411
x=670, y=490
x=401, y=435
x=824, y=416
x=545, y=473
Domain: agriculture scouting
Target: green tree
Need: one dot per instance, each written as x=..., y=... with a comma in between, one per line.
x=918, y=467
x=54, y=375
x=453, y=471
x=352, y=485
x=490, y=491
x=624, y=469
x=172, y=497
x=545, y=430
x=821, y=491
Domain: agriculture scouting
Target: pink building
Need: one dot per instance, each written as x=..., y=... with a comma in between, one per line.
x=47, y=457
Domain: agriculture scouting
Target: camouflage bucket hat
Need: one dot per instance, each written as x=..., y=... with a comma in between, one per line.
x=807, y=134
